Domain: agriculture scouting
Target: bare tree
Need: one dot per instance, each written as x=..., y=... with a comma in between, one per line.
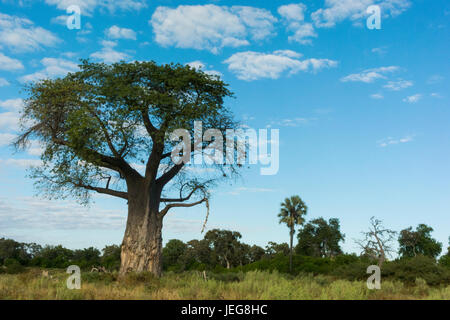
x=377, y=242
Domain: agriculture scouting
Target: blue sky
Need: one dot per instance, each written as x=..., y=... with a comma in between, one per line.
x=363, y=114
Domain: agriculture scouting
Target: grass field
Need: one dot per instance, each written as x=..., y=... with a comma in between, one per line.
x=251, y=285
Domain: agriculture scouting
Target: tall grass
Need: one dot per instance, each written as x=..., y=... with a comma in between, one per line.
x=191, y=285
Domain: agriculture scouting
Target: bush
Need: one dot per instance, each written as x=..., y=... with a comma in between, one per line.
x=409, y=269
x=445, y=261
x=13, y=266
x=99, y=277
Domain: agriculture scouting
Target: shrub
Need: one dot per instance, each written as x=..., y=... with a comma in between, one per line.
x=98, y=277
x=445, y=261
x=409, y=269
x=13, y=266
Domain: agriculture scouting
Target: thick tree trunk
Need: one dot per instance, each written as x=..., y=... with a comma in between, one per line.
x=142, y=243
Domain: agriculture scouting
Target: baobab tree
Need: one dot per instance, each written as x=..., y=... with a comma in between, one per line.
x=106, y=129
x=292, y=211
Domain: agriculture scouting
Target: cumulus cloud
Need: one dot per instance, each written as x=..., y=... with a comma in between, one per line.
x=9, y=64
x=9, y=121
x=413, y=99
x=293, y=16
x=210, y=27
x=252, y=65
x=116, y=32
x=201, y=66
x=20, y=34
x=53, y=67
x=336, y=11
x=88, y=6
x=370, y=75
x=14, y=105
x=398, y=85
x=108, y=55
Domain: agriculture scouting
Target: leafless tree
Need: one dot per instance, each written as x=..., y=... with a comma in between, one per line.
x=377, y=242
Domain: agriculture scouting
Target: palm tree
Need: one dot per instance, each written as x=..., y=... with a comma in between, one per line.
x=292, y=211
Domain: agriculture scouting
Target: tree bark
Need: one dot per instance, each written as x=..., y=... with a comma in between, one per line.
x=142, y=243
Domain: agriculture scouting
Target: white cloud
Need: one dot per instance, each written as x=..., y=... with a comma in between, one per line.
x=107, y=54
x=210, y=27
x=201, y=66
x=21, y=163
x=9, y=121
x=292, y=11
x=9, y=64
x=380, y=51
x=20, y=34
x=302, y=32
x=116, y=32
x=88, y=6
x=4, y=82
x=293, y=16
x=61, y=20
x=29, y=212
x=377, y=96
x=14, y=105
x=252, y=65
x=336, y=11
x=391, y=141
x=53, y=67
x=398, y=85
x=436, y=95
x=413, y=99
x=370, y=75
x=6, y=139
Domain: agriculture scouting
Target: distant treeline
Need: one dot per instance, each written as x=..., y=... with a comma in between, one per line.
x=221, y=251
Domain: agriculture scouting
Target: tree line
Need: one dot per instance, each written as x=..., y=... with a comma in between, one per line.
x=318, y=250
x=222, y=249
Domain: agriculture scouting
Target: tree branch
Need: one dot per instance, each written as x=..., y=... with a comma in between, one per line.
x=172, y=172
x=181, y=199
x=164, y=211
x=115, y=193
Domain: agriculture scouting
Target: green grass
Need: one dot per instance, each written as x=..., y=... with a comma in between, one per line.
x=191, y=285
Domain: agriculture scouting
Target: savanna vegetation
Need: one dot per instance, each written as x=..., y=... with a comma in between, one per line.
x=221, y=266
x=99, y=124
